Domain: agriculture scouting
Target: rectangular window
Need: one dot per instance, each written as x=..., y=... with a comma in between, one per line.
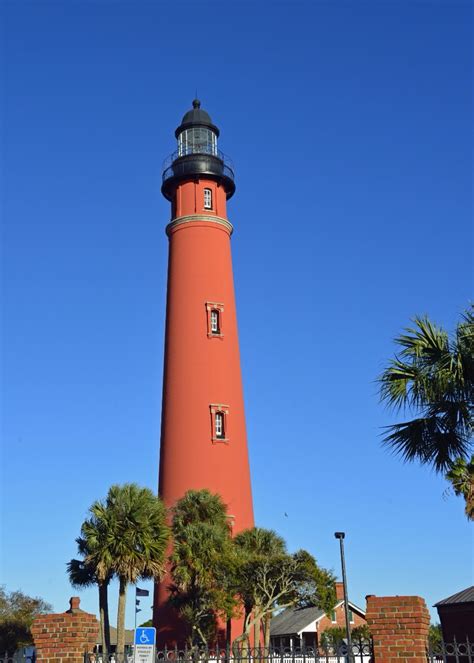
x=333, y=617
x=207, y=199
x=215, y=321
x=220, y=425
x=351, y=616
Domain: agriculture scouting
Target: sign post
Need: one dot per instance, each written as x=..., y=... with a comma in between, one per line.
x=144, y=641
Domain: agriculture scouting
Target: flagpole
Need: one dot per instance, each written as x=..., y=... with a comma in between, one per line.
x=139, y=592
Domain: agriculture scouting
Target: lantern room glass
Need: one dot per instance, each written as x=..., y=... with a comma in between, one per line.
x=197, y=140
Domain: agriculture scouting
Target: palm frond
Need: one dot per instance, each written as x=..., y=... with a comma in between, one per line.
x=434, y=377
x=80, y=574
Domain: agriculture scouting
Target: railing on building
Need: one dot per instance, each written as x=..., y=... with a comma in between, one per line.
x=177, y=163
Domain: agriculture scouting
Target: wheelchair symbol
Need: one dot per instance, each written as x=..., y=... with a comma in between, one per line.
x=144, y=638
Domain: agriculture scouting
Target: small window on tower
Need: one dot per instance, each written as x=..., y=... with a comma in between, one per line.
x=219, y=425
x=207, y=199
x=215, y=320
x=215, y=327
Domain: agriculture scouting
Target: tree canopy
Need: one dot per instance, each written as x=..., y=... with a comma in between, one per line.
x=125, y=536
x=17, y=612
x=215, y=576
x=202, y=563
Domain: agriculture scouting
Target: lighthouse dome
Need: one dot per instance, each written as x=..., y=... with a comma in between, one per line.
x=196, y=117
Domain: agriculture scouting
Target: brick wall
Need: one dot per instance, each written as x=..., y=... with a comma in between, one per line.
x=65, y=636
x=399, y=626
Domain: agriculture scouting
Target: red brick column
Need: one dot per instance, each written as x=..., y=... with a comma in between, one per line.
x=65, y=636
x=399, y=626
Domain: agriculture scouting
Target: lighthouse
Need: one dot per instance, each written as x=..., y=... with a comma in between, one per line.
x=203, y=433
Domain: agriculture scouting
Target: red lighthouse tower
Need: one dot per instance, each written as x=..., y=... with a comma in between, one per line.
x=203, y=437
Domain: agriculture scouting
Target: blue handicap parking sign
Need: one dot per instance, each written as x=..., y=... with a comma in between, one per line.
x=145, y=636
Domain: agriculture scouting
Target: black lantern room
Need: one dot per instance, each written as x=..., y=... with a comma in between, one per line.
x=197, y=154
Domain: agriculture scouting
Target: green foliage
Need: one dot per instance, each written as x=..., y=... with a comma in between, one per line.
x=17, y=612
x=461, y=477
x=432, y=376
x=331, y=638
x=361, y=634
x=435, y=635
x=98, y=570
x=127, y=534
x=124, y=536
x=269, y=578
x=149, y=622
x=315, y=585
x=202, y=563
x=213, y=574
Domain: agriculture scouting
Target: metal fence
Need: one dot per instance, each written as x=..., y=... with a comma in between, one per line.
x=452, y=652
x=362, y=652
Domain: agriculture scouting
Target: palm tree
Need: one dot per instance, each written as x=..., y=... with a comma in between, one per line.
x=96, y=572
x=200, y=506
x=461, y=477
x=80, y=576
x=133, y=520
x=433, y=377
x=201, y=563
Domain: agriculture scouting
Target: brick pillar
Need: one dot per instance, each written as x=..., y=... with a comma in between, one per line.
x=65, y=636
x=399, y=626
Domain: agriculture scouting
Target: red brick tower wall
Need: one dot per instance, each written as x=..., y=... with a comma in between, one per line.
x=399, y=626
x=65, y=636
x=202, y=371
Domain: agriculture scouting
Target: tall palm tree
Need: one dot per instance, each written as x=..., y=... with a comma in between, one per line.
x=201, y=562
x=433, y=377
x=82, y=575
x=136, y=537
x=97, y=571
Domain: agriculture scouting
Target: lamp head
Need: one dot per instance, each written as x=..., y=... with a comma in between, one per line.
x=339, y=535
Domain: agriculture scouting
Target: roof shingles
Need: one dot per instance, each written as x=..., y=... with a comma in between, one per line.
x=294, y=620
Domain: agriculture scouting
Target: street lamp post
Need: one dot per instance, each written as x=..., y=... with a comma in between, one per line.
x=340, y=536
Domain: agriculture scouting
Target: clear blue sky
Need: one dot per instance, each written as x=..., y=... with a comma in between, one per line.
x=350, y=127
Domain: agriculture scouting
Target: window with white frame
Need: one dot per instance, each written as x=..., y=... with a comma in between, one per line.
x=351, y=616
x=334, y=617
x=207, y=199
x=215, y=327
x=219, y=425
